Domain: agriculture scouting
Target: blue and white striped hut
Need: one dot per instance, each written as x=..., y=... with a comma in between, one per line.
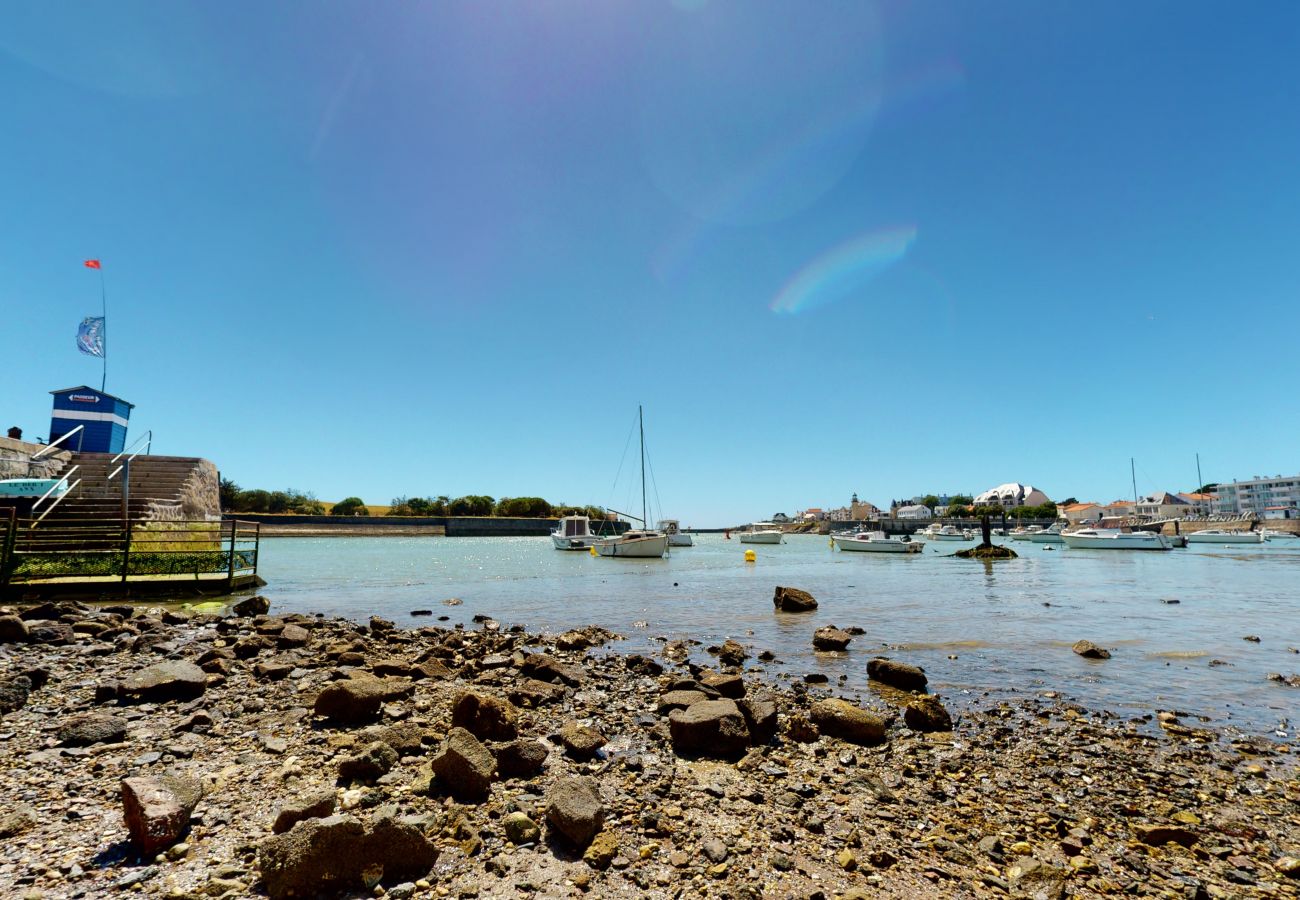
x=104, y=416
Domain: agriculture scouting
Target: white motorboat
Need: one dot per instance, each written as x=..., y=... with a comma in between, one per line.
x=1271, y=535
x=676, y=537
x=762, y=533
x=937, y=532
x=1047, y=535
x=1223, y=536
x=1024, y=534
x=877, y=542
x=573, y=533
x=1115, y=539
x=636, y=544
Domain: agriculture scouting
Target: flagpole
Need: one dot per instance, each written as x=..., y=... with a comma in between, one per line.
x=103, y=311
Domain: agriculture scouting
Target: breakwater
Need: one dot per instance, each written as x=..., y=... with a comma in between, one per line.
x=277, y=525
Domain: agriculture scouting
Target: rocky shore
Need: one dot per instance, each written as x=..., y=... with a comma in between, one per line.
x=166, y=753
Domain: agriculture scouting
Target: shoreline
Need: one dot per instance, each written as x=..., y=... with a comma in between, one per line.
x=791, y=795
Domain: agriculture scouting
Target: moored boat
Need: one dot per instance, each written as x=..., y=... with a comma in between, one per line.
x=937, y=532
x=761, y=533
x=634, y=544
x=676, y=537
x=877, y=542
x=573, y=533
x=1272, y=535
x=1047, y=535
x=1024, y=534
x=1115, y=539
x=1224, y=536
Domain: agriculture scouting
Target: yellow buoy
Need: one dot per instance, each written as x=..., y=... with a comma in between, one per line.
x=593, y=552
x=750, y=556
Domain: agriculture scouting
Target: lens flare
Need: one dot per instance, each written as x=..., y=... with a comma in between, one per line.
x=843, y=269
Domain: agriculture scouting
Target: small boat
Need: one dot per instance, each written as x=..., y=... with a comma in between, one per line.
x=1047, y=535
x=937, y=532
x=1024, y=534
x=676, y=537
x=1271, y=535
x=877, y=542
x=1115, y=539
x=573, y=533
x=634, y=545
x=1223, y=536
x=762, y=533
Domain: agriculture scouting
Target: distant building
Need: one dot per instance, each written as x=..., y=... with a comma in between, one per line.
x=1255, y=496
x=1118, y=509
x=1202, y=504
x=1163, y=506
x=1080, y=513
x=813, y=514
x=862, y=511
x=1012, y=495
x=781, y=519
x=913, y=511
x=838, y=515
x=1281, y=512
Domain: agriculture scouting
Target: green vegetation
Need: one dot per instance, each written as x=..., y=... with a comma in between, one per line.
x=1046, y=511
x=350, y=506
x=235, y=499
x=1208, y=488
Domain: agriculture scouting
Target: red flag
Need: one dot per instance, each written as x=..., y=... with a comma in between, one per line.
x=92, y=264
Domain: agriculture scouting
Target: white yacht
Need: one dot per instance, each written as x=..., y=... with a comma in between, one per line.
x=1223, y=536
x=573, y=533
x=634, y=544
x=877, y=542
x=1271, y=535
x=676, y=537
x=1024, y=534
x=1047, y=535
x=761, y=533
x=937, y=532
x=1115, y=539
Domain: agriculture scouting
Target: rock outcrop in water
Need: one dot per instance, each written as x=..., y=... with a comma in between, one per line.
x=339, y=764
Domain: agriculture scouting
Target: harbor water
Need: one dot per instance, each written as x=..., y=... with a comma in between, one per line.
x=1176, y=622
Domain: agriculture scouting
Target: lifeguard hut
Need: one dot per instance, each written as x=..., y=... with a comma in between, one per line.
x=104, y=416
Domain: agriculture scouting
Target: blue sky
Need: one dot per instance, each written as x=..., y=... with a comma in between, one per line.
x=447, y=248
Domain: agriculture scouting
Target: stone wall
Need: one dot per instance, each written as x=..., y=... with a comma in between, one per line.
x=15, y=460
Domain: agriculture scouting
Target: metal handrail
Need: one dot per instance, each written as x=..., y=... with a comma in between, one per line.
x=147, y=437
x=71, y=488
x=56, y=484
x=62, y=438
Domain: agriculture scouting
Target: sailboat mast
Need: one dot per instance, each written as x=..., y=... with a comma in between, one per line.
x=1199, y=482
x=1132, y=471
x=640, y=418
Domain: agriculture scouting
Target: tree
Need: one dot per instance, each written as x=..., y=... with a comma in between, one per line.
x=960, y=500
x=350, y=506
x=1070, y=501
x=523, y=508
x=229, y=493
x=277, y=502
x=254, y=501
x=930, y=500
x=1208, y=488
x=960, y=511
x=472, y=505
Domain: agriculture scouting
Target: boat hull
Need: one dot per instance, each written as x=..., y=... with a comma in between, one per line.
x=853, y=545
x=949, y=537
x=680, y=540
x=760, y=537
x=1234, y=537
x=572, y=543
x=634, y=548
x=1121, y=542
x=1046, y=538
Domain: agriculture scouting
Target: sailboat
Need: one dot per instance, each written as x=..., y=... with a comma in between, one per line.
x=637, y=544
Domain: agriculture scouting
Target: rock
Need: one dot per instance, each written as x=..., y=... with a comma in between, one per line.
x=14, y=693
x=464, y=766
x=374, y=760
x=157, y=809
x=927, y=714
x=487, y=718
x=760, y=717
x=13, y=630
x=273, y=669
x=1089, y=650
x=520, y=829
x=531, y=693
x=326, y=856
x=841, y=719
x=679, y=700
x=603, y=849
x=896, y=674
x=581, y=742
x=1156, y=835
x=800, y=730
x=19, y=819
x=732, y=653
x=91, y=728
x=715, y=850
x=643, y=665
x=51, y=633
x=170, y=680
x=293, y=636
x=316, y=805
x=788, y=599
x=732, y=686
x=253, y=606
x=1288, y=866
x=352, y=700
x=573, y=809
x=828, y=637
x=407, y=738
x=521, y=759
x=712, y=728
x=1033, y=879
x=545, y=667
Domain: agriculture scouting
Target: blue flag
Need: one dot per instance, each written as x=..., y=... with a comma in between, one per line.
x=90, y=336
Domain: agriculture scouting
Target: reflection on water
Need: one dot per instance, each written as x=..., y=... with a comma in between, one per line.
x=983, y=628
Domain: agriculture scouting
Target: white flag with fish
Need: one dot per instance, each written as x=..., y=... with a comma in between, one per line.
x=90, y=336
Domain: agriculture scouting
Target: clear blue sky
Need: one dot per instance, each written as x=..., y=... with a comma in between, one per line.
x=446, y=248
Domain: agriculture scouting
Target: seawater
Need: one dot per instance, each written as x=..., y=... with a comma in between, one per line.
x=982, y=631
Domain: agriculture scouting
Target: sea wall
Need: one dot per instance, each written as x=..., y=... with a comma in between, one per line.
x=451, y=526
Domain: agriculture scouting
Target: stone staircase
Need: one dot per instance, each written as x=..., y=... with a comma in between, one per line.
x=162, y=488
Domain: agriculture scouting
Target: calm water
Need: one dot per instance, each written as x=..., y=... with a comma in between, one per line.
x=1009, y=625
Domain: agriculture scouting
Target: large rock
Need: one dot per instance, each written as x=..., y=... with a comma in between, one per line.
x=91, y=728
x=521, y=759
x=573, y=809
x=896, y=674
x=680, y=700
x=13, y=630
x=372, y=761
x=841, y=719
x=170, y=680
x=157, y=809
x=51, y=633
x=464, y=766
x=760, y=717
x=531, y=693
x=354, y=700
x=335, y=854
x=252, y=606
x=581, y=742
x=545, y=667
x=788, y=599
x=713, y=728
x=927, y=714
x=14, y=693
x=18, y=818
x=316, y=805
x=828, y=637
x=1088, y=650
x=732, y=653
x=487, y=718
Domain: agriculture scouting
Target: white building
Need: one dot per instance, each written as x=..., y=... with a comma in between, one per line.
x=1081, y=513
x=1202, y=504
x=915, y=511
x=1253, y=497
x=1011, y=495
x=1164, y=506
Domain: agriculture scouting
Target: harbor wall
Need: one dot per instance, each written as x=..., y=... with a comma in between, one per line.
x=451, y=526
